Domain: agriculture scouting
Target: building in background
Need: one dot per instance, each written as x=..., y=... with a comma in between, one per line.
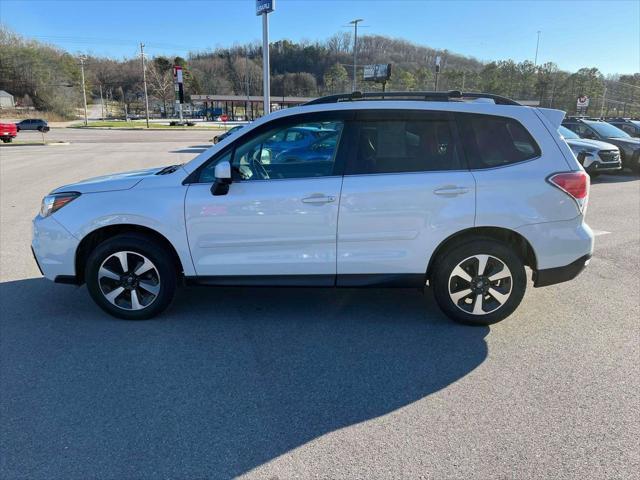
x=6, y=100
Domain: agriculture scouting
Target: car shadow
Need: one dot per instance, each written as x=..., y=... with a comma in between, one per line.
x=618, y=177
x=192, y=149
x=223, y=382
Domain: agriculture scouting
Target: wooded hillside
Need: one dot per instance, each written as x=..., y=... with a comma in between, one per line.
x=48, y=77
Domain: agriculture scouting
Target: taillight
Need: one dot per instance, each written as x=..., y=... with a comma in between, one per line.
x=574, y=184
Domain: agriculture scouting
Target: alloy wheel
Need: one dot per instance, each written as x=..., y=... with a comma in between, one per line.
x=480, y=284
x=129, y=280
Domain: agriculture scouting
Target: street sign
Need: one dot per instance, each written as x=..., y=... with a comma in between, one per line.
x=380, y=72
x=582, y=105
x=178, y=83
x=583, y=101
x=265, y=6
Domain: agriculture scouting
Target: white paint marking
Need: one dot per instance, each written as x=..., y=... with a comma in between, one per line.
x=597, y=233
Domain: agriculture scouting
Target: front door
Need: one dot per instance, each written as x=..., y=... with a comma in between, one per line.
x=279, y=218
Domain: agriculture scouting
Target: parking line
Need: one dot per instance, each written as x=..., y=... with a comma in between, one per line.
x=597, y=233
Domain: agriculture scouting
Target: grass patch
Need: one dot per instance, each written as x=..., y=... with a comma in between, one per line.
x=22, y=142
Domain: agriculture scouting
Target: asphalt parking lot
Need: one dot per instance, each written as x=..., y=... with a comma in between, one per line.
x=310, y=383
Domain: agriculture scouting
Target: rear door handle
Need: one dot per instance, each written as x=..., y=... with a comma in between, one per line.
x=451, y=191
x=319, y=199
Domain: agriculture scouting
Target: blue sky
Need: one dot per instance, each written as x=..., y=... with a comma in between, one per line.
x=604, y=34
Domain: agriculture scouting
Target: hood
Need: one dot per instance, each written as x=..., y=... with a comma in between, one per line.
x=633, y=143
x=590, y=144
x=117, y=181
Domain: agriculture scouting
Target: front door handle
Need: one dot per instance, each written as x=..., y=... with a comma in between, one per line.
x=319, y=199
x=451, y=191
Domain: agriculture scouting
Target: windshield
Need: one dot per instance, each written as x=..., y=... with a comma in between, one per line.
x=566, y=133
x=607, y=130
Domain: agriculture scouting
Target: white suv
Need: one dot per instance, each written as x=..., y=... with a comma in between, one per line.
x=456, y=191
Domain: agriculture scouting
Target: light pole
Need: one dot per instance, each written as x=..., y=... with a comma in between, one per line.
x=264, y=7
x=355, y=51
x=84, y=89
x=535, y=61
x=144, y=81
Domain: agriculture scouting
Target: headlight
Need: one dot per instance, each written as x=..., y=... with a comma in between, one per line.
x=589, y=153
x=54, y=202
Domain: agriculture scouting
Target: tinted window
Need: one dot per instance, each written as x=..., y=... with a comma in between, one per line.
x=288, y=153
x=394, y=146
x=582, y=130
x=495, y=141
x=566, y=133
x=607, y=130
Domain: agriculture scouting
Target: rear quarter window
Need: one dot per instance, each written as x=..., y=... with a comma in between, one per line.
x=491, y=141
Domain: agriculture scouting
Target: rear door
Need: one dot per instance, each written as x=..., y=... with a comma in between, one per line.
x=406, y=188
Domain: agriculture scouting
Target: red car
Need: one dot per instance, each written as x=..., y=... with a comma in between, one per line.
x=8, y=132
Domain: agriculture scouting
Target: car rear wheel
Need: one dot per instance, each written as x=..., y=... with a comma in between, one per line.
x=131, y=277
x=480, y=282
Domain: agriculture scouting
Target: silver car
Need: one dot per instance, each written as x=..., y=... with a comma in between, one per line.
x=594, y=155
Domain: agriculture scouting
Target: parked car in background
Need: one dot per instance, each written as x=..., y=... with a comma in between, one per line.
x=321, y=150
x=441, y=189
x=596, y=129
x=594, y=155
x=295, y=137
x=8, y=131
x=33, y=124
x=629, y=125
x=224, y=135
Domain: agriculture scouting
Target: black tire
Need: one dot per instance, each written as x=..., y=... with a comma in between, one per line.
x=215, y=140
x=449, y=259
x=594, y=174
x=137, y=245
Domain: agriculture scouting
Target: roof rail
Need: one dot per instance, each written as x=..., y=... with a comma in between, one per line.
x=451, y=95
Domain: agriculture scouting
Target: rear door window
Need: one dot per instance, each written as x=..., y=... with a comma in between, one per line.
x=492, y=141
x=403, y=142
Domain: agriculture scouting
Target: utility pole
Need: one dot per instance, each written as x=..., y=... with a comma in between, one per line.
x=84, y=89
x=144, y=80
x=535, y=61
x=355, y=52
x=101, y=103
x=604, y=97
x=246, y=84
x=463, y=78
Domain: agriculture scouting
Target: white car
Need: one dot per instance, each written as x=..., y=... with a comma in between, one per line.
x=457, y=191
x=595, y=156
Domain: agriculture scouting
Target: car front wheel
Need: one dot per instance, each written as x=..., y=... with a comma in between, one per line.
x=479, y=282
x=131, y=277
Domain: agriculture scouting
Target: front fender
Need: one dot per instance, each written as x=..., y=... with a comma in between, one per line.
x=160, y=209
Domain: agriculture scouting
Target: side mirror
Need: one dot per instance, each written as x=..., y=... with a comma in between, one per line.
x=221, y=184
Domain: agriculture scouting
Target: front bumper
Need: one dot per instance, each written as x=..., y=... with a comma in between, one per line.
x=604, y=167
x=54, y=248
x=593, y=163
x=551, y=276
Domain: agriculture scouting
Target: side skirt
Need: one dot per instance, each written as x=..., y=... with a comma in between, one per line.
x=383, y=280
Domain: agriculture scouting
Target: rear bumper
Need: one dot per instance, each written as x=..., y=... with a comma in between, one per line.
x=551, y=276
